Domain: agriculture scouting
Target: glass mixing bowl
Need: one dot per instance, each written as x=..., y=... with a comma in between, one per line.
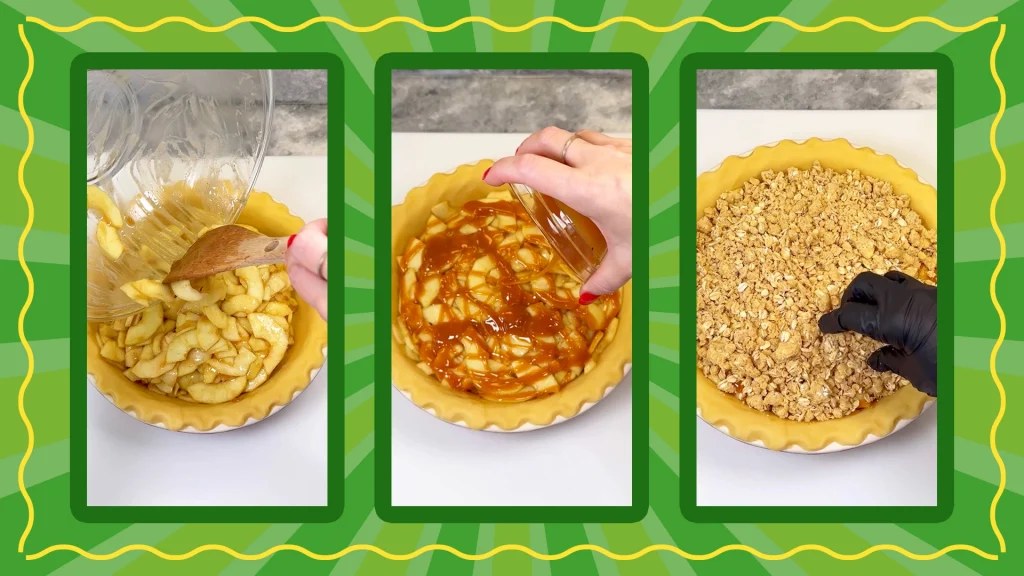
x=177, y=151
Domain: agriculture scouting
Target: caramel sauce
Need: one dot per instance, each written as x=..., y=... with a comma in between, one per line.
x=511, y=318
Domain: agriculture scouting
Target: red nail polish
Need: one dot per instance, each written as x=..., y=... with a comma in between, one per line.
x=484, y=177
x=290, y=240
x=587, y=298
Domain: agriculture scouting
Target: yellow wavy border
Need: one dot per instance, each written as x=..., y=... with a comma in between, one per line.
x=31, y=287
x=513, y=547
x=992, y=288
x=522, y=27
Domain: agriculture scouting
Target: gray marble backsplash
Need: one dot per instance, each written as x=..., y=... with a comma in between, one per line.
x=527, y=100
x=511, y=100
x=300, y=86
x=816, y=89
x=300, y=114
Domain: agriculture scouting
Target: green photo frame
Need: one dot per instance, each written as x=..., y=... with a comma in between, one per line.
x=688, y=292
x=635, y=512
x=80, y=508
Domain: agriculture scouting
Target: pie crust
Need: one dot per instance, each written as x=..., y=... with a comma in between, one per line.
x=409, y=220
x=725, y=411
x=303, y=359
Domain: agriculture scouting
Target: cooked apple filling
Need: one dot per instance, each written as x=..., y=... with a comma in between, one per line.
x=208, y=340
x=487, y=307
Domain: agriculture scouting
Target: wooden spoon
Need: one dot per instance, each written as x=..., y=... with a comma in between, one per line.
x=227, y=248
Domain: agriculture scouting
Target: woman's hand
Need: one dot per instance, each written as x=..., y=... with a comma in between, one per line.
x=595, y=178
x=898, y=311
x=306, y=261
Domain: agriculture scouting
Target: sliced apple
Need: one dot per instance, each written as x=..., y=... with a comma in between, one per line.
x=208, y=335
x=409, y=284
x=414, y=254
x=230, y=331
x=533, y=235
x=505, y=223
x=236, y=368
x=277, y=309
x=275, y=283
x=111, y=351
x=432, y=314
x=250, y=276
x=523, y=368
x=186, y=321
x=267, y=328
x=97, y=199
x=541, y=283
x=183, y=289
x=135, y=295
x=257, y=381
x=154, y=367
x=478, y=274
x=442, y=211
x=434, y=226
x=526, y=256
x=152, y=320
x=178, y=349
x=431, y=288
x=546, y=383
x=216, y=316
x=109, y=240
x=227, y=350
x=508, y=240
x=612, y=329
x=240, y=304
x=217, y=393
x=154, y=290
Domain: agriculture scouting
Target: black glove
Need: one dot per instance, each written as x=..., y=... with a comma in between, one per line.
x=899, y=311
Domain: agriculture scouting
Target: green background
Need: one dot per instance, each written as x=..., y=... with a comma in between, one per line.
x=47, y=250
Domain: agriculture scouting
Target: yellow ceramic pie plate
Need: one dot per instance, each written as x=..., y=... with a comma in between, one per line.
x=408, y=220
x=300, y=364
x=732, y=416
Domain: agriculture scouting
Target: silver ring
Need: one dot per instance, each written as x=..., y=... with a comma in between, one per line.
x=320, y=268
x=565, y=148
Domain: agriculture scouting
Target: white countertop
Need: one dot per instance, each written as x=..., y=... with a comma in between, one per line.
x=896, y=471
x=281, y=461
x=582, y=462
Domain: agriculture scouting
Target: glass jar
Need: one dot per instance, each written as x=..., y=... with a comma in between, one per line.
x=176, y=151
x=573, y=236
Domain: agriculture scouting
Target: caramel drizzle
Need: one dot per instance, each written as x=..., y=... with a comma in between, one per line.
x=529, y=317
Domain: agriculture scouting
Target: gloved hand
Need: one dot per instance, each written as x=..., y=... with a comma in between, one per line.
x=899, y=311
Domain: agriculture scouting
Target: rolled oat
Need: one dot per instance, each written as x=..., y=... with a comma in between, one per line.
x=773, y=256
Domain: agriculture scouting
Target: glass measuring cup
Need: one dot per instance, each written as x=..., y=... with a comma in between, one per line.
x=176, y=151
x=573, y=236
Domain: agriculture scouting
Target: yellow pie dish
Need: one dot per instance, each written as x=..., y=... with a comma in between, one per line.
x=880, y=418
x=301, y=362
x=410, y=221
